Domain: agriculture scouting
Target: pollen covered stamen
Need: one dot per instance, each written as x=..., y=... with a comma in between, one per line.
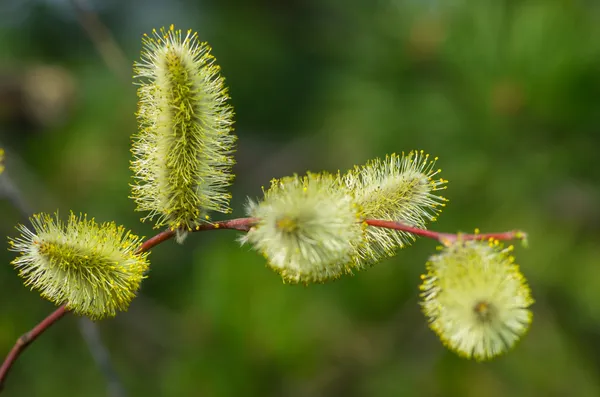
x=398, y=188
x=286, y=224
x=452, y=290
x=183, y=151
x=93, y=269
x=484, y=311
x=66, y=256
x=182, y=147
x=307, y=228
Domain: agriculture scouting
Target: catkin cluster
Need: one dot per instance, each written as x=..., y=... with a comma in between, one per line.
x=311, y=228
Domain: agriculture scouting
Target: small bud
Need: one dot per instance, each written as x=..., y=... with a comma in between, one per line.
x=307, y=228
x=91, y=268
x=398, y=188
x=183, y=150
x=476, y=299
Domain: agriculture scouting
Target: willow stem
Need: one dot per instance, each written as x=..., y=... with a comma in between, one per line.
x=26, y=339
x=446, y=238
x=241, y=224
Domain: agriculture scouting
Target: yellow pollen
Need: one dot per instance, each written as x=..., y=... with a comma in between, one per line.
x=286, y=224
x=484, y=311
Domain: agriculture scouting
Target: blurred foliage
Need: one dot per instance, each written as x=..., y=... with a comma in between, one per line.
x=505, y=92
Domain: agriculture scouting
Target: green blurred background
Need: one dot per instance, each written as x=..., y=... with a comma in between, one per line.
x=506, y=93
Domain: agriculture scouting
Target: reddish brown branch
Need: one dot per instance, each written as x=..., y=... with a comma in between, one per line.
x=241, y=224
x=446, y=238
x=156, y=240
x=26, y=339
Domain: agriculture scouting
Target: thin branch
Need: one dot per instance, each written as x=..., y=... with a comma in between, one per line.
x=13, y=194
x=26, y=339
x=446, y=238
x=241, y=224
x=156, y=240
x=100, y=354
x=102, y=38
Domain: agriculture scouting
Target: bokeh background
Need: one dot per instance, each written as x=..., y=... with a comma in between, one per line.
x=505, y=92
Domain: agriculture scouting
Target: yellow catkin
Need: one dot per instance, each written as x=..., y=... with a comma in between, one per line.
x=183, y=151
x=476, y=299
x=308, y=228
x=401, y=188
x=92, y=268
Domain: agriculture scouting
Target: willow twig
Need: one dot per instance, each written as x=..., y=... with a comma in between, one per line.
x=446, y=238
x=102, y=38
x=26, y=339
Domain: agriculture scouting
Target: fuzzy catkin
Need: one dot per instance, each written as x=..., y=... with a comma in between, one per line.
x=401, y=188
x=94, y=269
x=183, y=151
x=307, y=228
x=476, y=299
